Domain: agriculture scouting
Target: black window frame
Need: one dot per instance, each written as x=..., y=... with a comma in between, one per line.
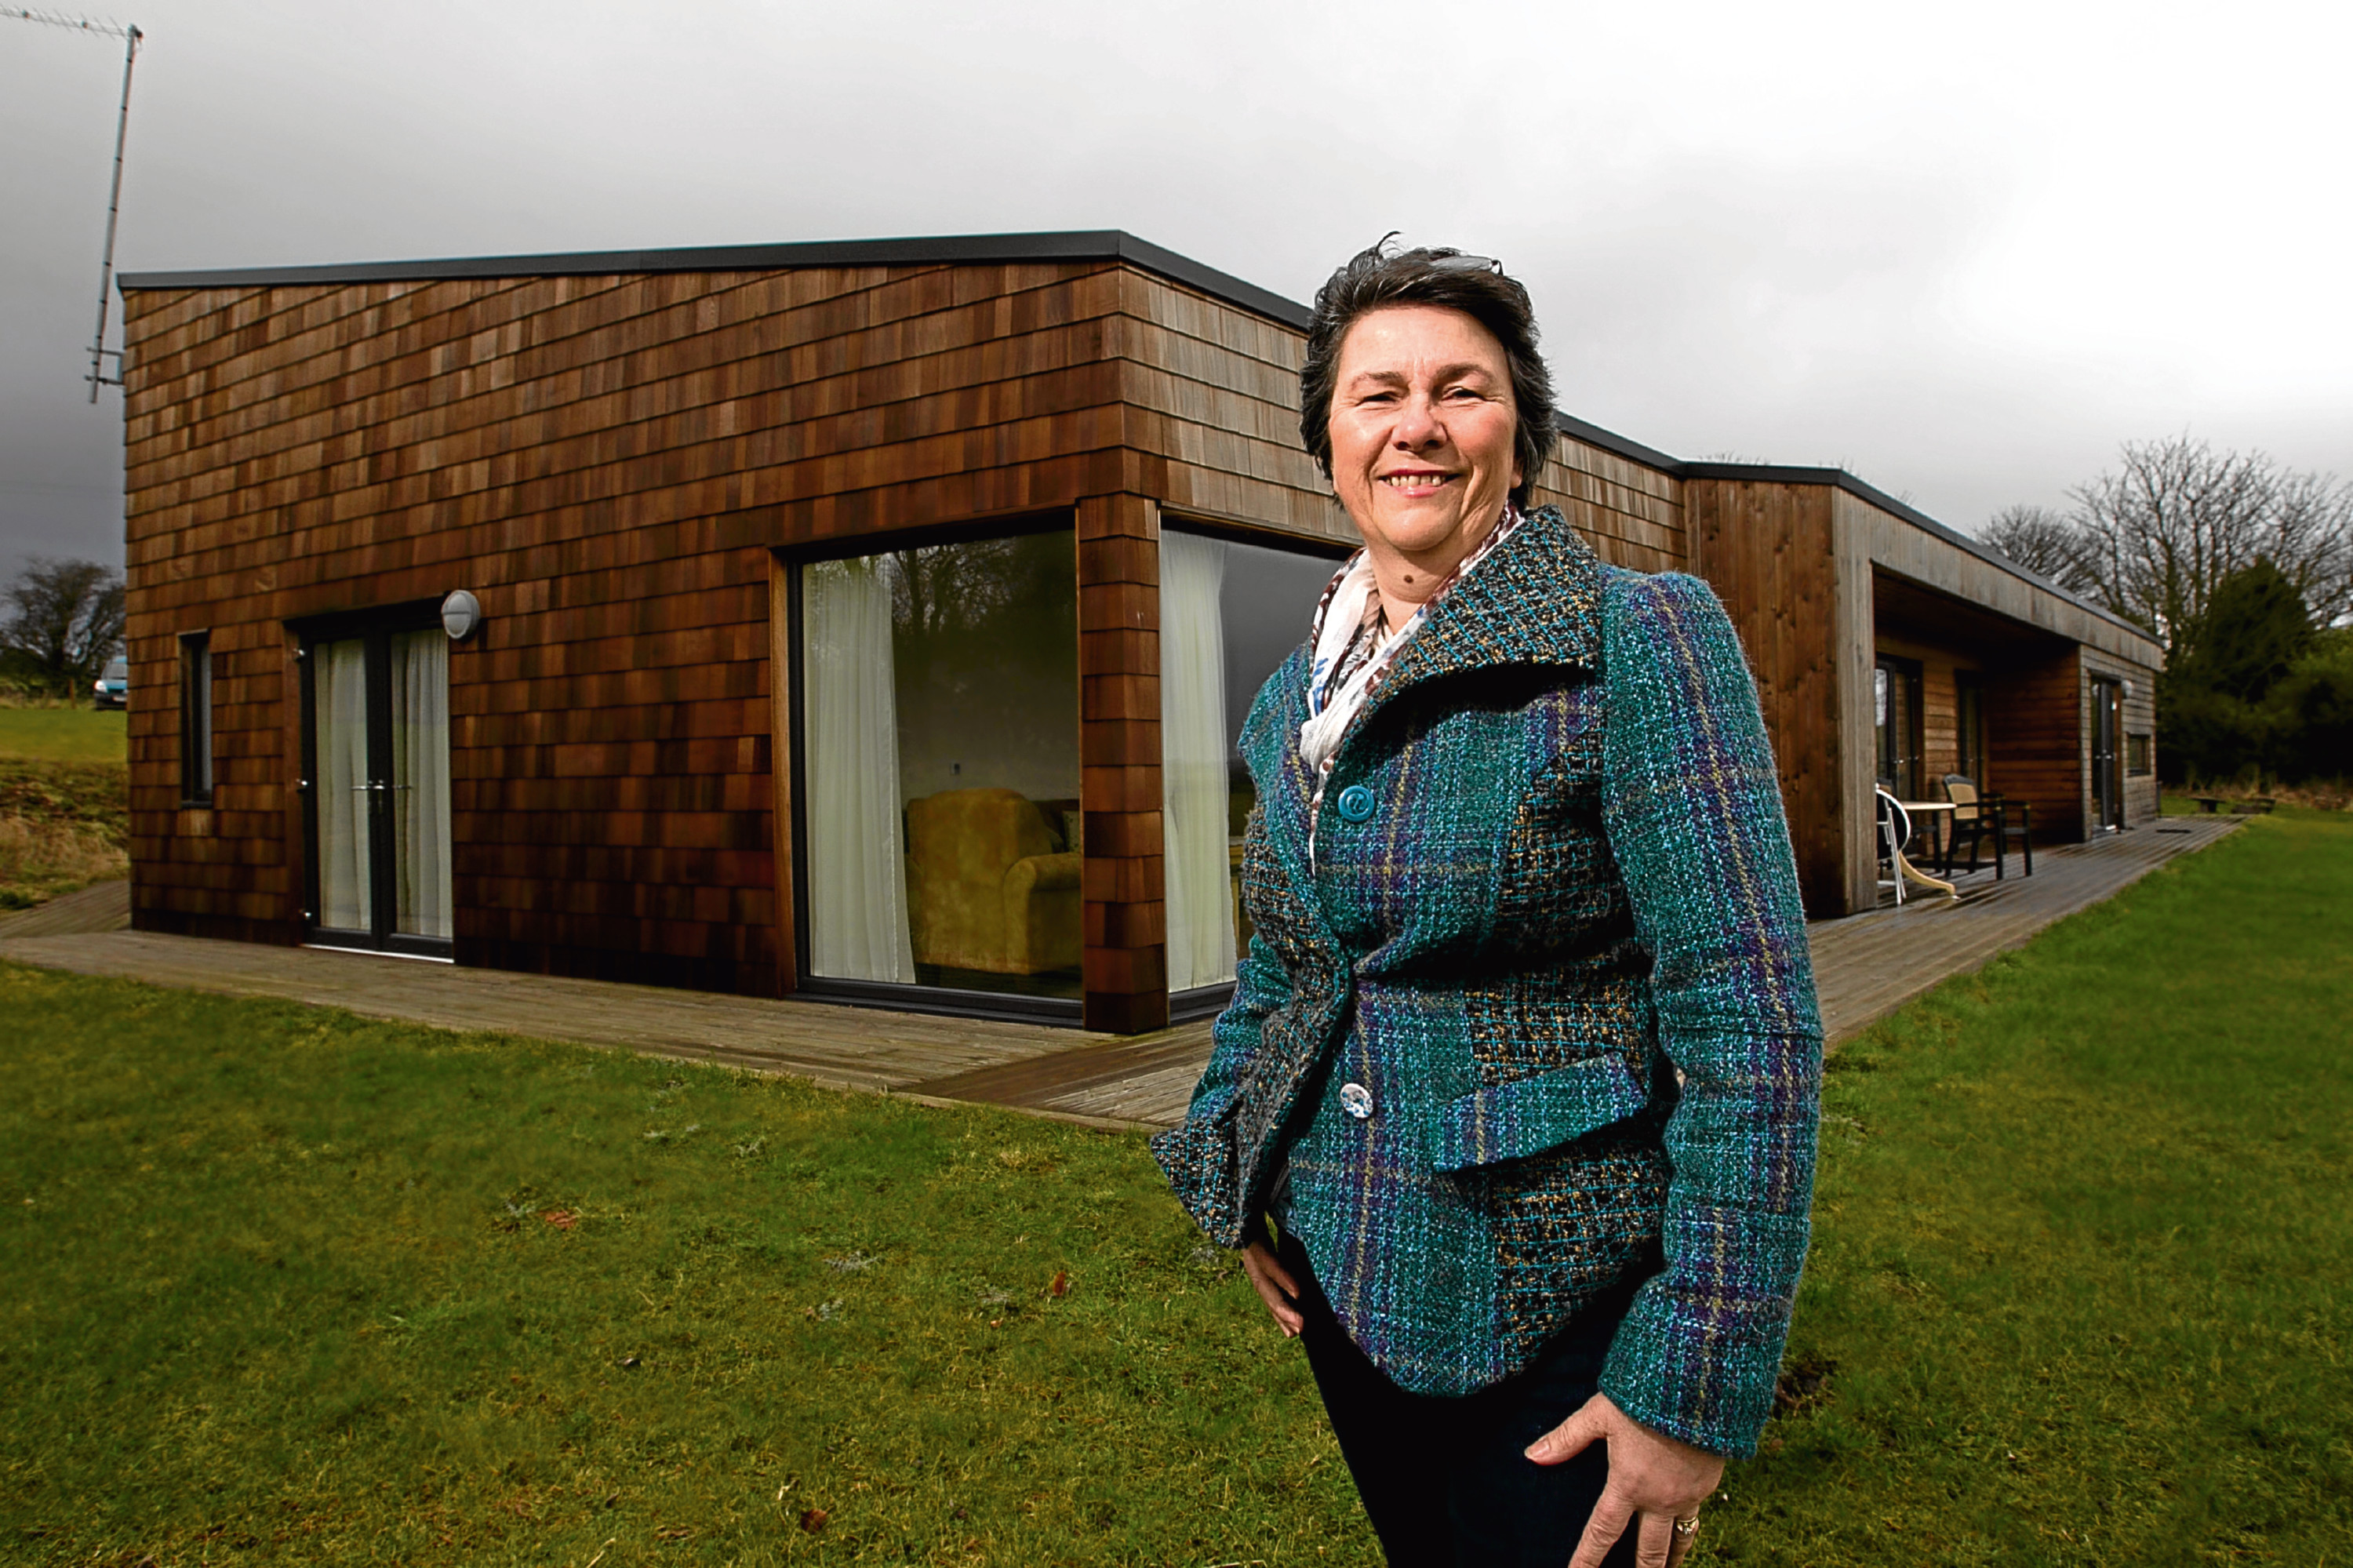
x=197, y=770
x=374, y=628
x=1068, y=1012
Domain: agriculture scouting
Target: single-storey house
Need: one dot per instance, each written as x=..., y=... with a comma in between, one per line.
x=874, y=621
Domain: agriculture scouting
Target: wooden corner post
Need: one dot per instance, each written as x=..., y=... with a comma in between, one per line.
x=1126, y=965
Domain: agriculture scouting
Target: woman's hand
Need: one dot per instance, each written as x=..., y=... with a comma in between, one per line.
x=1276, y=1289
x=1654, y=1481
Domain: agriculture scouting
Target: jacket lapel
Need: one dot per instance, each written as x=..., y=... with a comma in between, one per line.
x=1537, y=600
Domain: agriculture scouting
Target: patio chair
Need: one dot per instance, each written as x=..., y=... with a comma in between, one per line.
x=2012, y=819
x=1980, y=815
x=1970, y=817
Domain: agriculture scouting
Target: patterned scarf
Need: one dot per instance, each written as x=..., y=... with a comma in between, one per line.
x=1351, y=656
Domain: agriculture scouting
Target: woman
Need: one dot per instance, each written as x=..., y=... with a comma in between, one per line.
x=1523, y=1062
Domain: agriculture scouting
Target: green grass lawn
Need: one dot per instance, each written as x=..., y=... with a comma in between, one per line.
x=284, y=1283
x=2084, y=1238
x=63, y=734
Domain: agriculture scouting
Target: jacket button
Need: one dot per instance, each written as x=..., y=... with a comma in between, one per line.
x=1356, y=803
x=1356, y=1100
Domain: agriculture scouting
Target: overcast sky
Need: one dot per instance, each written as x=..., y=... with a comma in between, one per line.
x=1961, y=251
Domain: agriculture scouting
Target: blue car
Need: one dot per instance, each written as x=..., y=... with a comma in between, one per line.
x=112, y=688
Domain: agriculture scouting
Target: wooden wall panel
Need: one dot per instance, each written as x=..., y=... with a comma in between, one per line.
x=1768, y=550
x=607, y=463
x=1631, y=515
x=2035, y=743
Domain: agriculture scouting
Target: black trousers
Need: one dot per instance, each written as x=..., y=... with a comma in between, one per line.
x=1446, y=1482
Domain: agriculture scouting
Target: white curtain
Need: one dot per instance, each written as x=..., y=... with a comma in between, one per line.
x=858, y=878
x=339, y=689
x=420, y=782
x=1193, y=762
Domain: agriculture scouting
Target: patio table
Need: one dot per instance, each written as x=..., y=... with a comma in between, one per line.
x=1939, y=814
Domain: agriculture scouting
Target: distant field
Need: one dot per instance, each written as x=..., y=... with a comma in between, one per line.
x=63, y=734
x=64, y=803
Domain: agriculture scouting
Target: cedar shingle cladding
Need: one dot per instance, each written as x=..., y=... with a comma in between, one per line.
x=607, y=462
x=612, y=464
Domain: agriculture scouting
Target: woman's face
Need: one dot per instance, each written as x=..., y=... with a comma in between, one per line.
x=1423, y=429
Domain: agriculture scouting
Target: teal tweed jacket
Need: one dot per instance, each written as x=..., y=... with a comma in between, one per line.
x=1539, y=1016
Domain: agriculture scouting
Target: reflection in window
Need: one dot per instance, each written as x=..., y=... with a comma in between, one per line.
x=941, y=765
x=1896, y=701
x=1230, y=613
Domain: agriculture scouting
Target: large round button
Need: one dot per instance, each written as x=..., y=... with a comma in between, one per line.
x=1356, y=803
x=1356, y=1100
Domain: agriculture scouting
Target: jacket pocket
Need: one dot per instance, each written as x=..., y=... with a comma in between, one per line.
x=1528, y=1115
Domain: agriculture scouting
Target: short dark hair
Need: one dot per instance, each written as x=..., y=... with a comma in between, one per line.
x=1377, y=277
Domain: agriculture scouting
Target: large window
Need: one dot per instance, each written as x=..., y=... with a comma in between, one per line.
x=1229, y=612
x=939, y=768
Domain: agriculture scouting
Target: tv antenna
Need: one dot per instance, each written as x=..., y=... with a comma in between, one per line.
x=98, y=353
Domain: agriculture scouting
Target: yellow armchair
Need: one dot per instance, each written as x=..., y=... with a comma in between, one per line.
x=988, y=886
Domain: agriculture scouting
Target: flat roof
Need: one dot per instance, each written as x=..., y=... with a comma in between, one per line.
x=1071, y=245
x=1074, y=245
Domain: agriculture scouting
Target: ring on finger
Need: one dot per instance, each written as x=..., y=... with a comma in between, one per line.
x=1686, y=1526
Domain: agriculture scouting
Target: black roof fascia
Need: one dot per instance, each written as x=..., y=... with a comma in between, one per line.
x=1611, y=441
x=1079, y=244
x=1838, y=478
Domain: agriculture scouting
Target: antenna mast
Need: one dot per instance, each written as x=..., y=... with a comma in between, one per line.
x=98, y=352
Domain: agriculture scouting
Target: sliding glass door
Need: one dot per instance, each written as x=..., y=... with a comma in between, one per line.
x=937, y=787
x=376, y=783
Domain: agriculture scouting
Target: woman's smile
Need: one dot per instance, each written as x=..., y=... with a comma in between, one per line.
x=1416, y=483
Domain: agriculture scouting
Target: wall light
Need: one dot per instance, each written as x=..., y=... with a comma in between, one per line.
x=460, y=613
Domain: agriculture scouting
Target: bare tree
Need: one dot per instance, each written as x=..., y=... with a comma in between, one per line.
x=2177, y=517
x=67, y=623
x=2312, y=543
x=2048, y=544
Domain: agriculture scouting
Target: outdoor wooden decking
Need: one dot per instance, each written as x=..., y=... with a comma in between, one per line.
x=1865, y=968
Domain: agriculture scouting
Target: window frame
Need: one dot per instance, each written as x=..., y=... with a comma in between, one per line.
x=196, y=701
x=943, y=1001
